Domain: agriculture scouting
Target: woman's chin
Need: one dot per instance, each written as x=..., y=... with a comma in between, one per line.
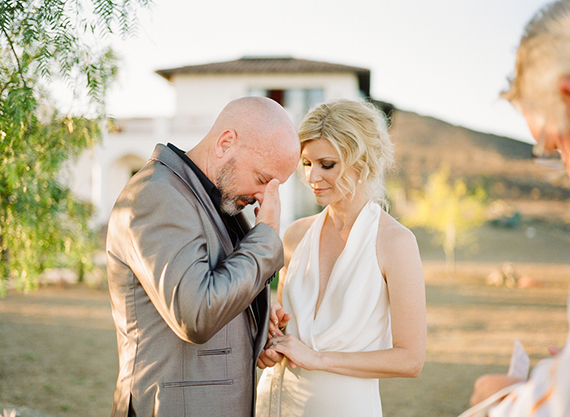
x=320, y=200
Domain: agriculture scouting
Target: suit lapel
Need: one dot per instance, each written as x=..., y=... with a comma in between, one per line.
x=259, y=308
x=259, y=305
x=168, y=158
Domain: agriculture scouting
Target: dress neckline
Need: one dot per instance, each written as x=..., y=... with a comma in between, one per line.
x=317, y=236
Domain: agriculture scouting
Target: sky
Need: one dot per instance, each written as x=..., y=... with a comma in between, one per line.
x=448, y=59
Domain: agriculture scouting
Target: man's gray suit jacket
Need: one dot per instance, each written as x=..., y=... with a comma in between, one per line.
x=184, y=300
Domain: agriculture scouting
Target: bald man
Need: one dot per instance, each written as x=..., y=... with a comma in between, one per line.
x=188, y=278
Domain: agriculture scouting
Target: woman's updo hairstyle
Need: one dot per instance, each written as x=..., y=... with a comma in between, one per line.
x=358, y=131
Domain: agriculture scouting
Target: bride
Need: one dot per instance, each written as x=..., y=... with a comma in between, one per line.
x=351, y=295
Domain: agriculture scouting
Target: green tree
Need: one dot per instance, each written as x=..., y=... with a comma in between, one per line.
x=448, y=210
x=42, y=224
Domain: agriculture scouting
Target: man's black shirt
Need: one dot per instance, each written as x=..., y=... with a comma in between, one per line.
x=233, y=226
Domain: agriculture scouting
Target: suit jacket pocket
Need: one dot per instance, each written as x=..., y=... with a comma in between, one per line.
x=209, y=363
x=183, y=384
x=210, y=352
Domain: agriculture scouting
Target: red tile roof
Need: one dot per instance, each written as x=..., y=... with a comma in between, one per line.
x=256, y=65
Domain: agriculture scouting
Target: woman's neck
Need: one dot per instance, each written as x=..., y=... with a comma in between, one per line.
x=343, y=213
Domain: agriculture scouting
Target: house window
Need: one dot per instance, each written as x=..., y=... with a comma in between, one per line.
x=277, y=95
x=297, y=101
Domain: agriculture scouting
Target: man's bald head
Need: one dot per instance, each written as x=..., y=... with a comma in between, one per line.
x=260, y=123
x=246, y=111
x=252, y=141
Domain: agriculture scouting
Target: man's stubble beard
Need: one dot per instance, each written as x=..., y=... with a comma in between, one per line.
x=225, y=182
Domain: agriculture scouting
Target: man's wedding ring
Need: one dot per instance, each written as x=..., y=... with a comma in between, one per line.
x=274, y=343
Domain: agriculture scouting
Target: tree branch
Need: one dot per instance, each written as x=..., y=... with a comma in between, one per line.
x=15, y=55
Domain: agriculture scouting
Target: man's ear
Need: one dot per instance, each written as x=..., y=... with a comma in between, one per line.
x=564, y=88
x=225, y=141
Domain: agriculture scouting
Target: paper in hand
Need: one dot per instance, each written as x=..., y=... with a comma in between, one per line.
x=519, y=367
x=520, y=362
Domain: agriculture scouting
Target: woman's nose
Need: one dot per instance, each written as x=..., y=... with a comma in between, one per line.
x=313, y=175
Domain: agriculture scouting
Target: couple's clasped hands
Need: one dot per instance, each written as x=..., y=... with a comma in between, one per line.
x=280, y=344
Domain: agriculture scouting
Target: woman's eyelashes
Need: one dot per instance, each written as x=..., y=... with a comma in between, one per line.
x=324, y=165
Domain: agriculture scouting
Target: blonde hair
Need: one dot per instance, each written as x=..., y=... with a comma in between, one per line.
x=543, y=57
x=359, y=133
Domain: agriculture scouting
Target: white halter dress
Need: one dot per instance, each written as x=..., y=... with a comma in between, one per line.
x=354, y=316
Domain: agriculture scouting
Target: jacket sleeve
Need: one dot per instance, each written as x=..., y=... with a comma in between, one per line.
x=168, y=252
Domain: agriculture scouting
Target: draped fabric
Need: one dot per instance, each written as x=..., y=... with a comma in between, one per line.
x=547, y=391
x=353, y=316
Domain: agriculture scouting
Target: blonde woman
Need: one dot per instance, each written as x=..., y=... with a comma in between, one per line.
x=352, y=289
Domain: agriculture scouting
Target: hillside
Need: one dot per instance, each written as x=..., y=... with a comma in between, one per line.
x=503, y=166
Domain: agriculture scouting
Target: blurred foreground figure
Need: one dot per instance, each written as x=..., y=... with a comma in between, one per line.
x=541, y=90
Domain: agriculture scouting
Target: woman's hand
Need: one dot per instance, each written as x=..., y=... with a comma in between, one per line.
x=488, y=384
x=278, y=319
x=296, y=352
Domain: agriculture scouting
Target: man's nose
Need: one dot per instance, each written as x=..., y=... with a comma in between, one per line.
x=260, y=194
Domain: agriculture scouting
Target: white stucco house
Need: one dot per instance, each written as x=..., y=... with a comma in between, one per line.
x=201, y=93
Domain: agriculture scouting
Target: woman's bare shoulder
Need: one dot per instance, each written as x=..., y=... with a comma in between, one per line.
x=391, y=232
x=296, y=231
x=397, y=251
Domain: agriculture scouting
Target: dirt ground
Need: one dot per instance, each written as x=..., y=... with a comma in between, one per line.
x=471, y=330
x=58, y=348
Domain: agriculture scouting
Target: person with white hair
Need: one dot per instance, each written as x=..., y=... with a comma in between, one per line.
x=540, y=89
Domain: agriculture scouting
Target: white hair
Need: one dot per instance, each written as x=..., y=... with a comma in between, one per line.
x=543, y=57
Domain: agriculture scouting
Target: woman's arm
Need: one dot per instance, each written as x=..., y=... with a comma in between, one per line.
x=278, y=316
x=399, y=260
x=291, y=238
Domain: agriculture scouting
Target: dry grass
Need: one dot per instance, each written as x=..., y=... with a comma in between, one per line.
x=471, y=331
x=58, y=347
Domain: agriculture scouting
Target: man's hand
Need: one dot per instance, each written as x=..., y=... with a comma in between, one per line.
x=278, y=319
x=268, y=358
x=269, y=210
x=554, y=350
